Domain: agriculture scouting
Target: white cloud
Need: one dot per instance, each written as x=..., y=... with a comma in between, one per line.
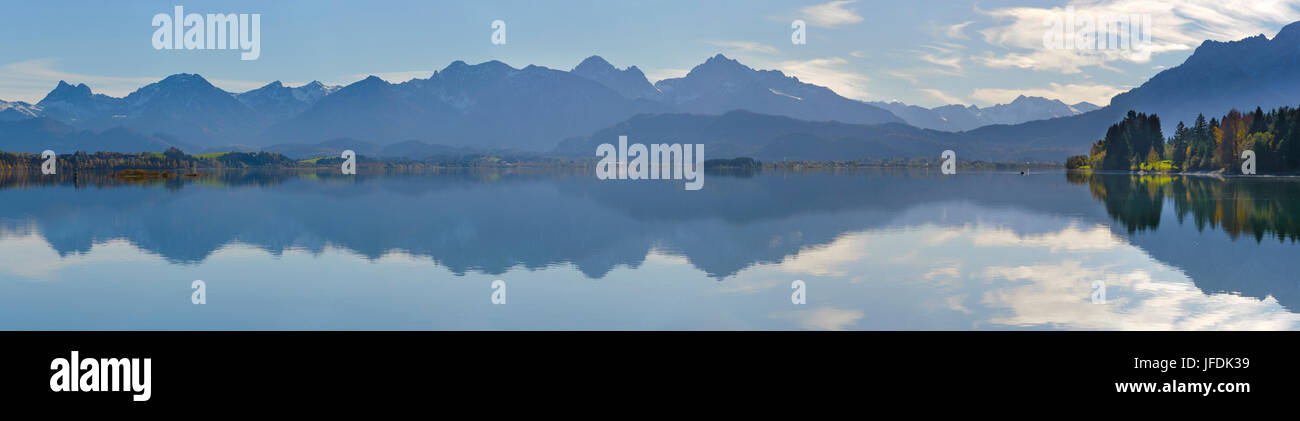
x=31, y=80
x=952, y=61
x=30, y=256
x=831, y=14
x=823, y=318
x=958, y=31
x=1059, y=294
x=1175, y=26
x=947, y=56
x=745, y=46
x=951, y=271
x=828, y=72
x=1072, y=238
x=941, y=96
x=832, y=259
x=904, y=76
x=1098, y=94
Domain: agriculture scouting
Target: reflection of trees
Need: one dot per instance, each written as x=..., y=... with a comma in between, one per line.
x=1238, y=206
x=1133, y=201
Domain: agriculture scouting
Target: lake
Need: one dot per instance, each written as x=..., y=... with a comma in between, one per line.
x=875, y=249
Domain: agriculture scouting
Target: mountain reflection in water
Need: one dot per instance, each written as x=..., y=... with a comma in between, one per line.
x=880, y=249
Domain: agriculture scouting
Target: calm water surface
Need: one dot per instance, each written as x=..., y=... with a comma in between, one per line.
x=894, y=250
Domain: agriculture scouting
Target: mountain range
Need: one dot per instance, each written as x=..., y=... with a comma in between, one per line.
x=736, y=109
x=956, y=118
x=1217, y=77
x=13, y=111
x=487, y=105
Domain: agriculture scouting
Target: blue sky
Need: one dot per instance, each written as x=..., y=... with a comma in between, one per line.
x=924, y=52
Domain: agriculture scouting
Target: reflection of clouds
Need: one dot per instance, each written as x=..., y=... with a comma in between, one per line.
x=1070, y=239
x=1031, y=280
x=1060, y=295
x=822, y=318
x=951, y=271
x=828, y=260
x=745, y=286
x=31, y=257
x=955, y=303
x=944, y=235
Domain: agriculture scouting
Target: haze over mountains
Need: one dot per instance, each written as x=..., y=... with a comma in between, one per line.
x=956, y=117
x=738, y=110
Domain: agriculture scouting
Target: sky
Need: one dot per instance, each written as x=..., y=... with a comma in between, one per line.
x=921, y=52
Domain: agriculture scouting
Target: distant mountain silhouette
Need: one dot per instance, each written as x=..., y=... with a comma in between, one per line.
x=278, y=102
x=187, y=106
x=768, y=137
x=492, y=105
x=775, y=138
x=1243, y=74
x=722, y=84
x=629, y=82
x=38, y=134
x=485, y=105
x=1219, y=76
x=955, y=118
x=183, y=105
x=411, y=149
x=78, y=105
x=14, y=111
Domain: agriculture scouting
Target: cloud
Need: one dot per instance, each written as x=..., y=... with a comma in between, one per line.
x=941, y=96
x=1096, y=238
x=737, y=286
x=1098, y=94
x=958, y=31
x=829, y=15
x=1060, y=294
x=745, y=46
x=952, y=61
x=823, y=318
x=1175, y=26
x=904, y=76
x=828, y=72
x=946, y=234
x=28, y=256
x=31, y=80
x=947, y=56
x=832, y=259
